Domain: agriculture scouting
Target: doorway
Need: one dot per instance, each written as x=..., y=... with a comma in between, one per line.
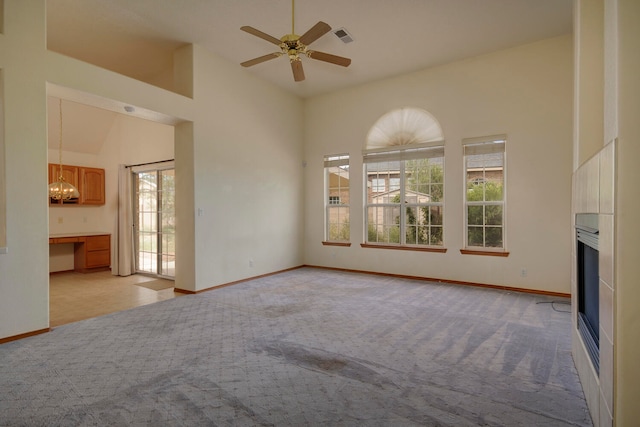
x=154, y=220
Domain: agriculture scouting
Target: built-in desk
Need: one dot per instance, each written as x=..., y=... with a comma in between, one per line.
x=91, y=251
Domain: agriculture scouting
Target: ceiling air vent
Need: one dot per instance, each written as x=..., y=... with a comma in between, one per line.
x=343, y=35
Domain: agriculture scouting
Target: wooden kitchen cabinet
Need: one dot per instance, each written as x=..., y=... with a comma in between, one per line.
x=88, y=181
x=92, y=184
x=92, y=254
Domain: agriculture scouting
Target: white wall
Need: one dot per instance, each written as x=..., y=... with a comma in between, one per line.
x=130, y=141
x=238, y=152
x=24, y=275
x=248, y=175
x=524, y=92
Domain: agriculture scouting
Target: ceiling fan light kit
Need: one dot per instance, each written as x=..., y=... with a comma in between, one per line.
x=295, y=46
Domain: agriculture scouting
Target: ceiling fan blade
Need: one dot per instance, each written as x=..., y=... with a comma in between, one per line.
x=260, y=59
x=298, y=72
x=260, y=34
x=314, y=33
x=327, y=57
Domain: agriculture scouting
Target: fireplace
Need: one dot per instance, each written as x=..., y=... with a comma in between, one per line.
x=588, y=289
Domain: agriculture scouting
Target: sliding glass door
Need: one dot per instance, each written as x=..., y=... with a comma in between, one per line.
x=154, y=222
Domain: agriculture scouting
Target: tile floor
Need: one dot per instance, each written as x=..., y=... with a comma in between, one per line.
x=76, y=296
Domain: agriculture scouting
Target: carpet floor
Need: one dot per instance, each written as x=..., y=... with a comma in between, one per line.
x=307, y=347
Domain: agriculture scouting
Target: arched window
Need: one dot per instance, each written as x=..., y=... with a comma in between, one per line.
x=404, y=173
x=402, y=127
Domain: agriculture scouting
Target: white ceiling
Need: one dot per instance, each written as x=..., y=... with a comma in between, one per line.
x=391, y=37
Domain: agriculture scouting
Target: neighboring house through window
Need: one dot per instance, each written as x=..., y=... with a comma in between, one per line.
x=336, y=178
x=404, y=175
x=484, y=164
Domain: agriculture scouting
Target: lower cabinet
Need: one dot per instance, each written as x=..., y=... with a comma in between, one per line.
x=94, y=253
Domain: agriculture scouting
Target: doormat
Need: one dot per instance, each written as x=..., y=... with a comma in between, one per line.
x=157, y=285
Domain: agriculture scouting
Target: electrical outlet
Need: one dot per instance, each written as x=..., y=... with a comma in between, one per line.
x=523, y=272
x=60, y=220
x=250, y=263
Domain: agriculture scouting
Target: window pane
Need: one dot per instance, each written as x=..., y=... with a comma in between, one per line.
x=493, y=215
x=435, y=236
x=169, y=244
x=494, y=237
x=493, y=190
x=436, y=192
x=391, y=234
x=435, y=215
x=338, y=223
x=412, y=235
x=475, y=191
x=379, y=178
x=383, y=224
x=475, y=237
x=338, y=184
x=413, y=225
x=474, y=215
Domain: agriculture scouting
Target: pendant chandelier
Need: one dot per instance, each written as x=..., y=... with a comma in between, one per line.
x=61, y=189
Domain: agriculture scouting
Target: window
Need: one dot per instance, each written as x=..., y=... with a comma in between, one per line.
x=336, y=176
x=394, y=184
x=378, y=185
x=404, y=175
x=411, y=212
x=484, y=165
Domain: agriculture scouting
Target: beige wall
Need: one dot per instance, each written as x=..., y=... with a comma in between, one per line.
x=220, y=163
x=526, y=93
x=627, y=267
x=248, y=174
x=612, y=396
x=588, y=79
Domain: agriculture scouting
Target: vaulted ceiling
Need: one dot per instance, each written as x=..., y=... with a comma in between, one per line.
x=138, y=38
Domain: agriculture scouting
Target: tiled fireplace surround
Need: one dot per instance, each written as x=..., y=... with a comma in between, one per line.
x=594, y=192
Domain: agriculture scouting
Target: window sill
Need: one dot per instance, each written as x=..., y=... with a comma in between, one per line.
x=486, y=253
x=403, y=248
x=346, y=244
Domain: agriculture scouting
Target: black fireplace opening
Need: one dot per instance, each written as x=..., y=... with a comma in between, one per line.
x=588, y=287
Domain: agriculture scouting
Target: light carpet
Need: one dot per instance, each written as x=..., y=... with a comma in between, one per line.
x=307, y=347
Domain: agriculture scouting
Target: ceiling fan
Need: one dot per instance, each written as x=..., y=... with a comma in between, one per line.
x=295, y=46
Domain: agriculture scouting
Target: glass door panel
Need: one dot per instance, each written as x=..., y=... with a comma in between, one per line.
x=154, y=227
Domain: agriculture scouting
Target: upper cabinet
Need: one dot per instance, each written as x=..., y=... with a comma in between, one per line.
x=88, y=181
x=91, y=186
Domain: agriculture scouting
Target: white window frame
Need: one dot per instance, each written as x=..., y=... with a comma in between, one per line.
x=331, y=162
x=402, y=156
x=482, y=146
